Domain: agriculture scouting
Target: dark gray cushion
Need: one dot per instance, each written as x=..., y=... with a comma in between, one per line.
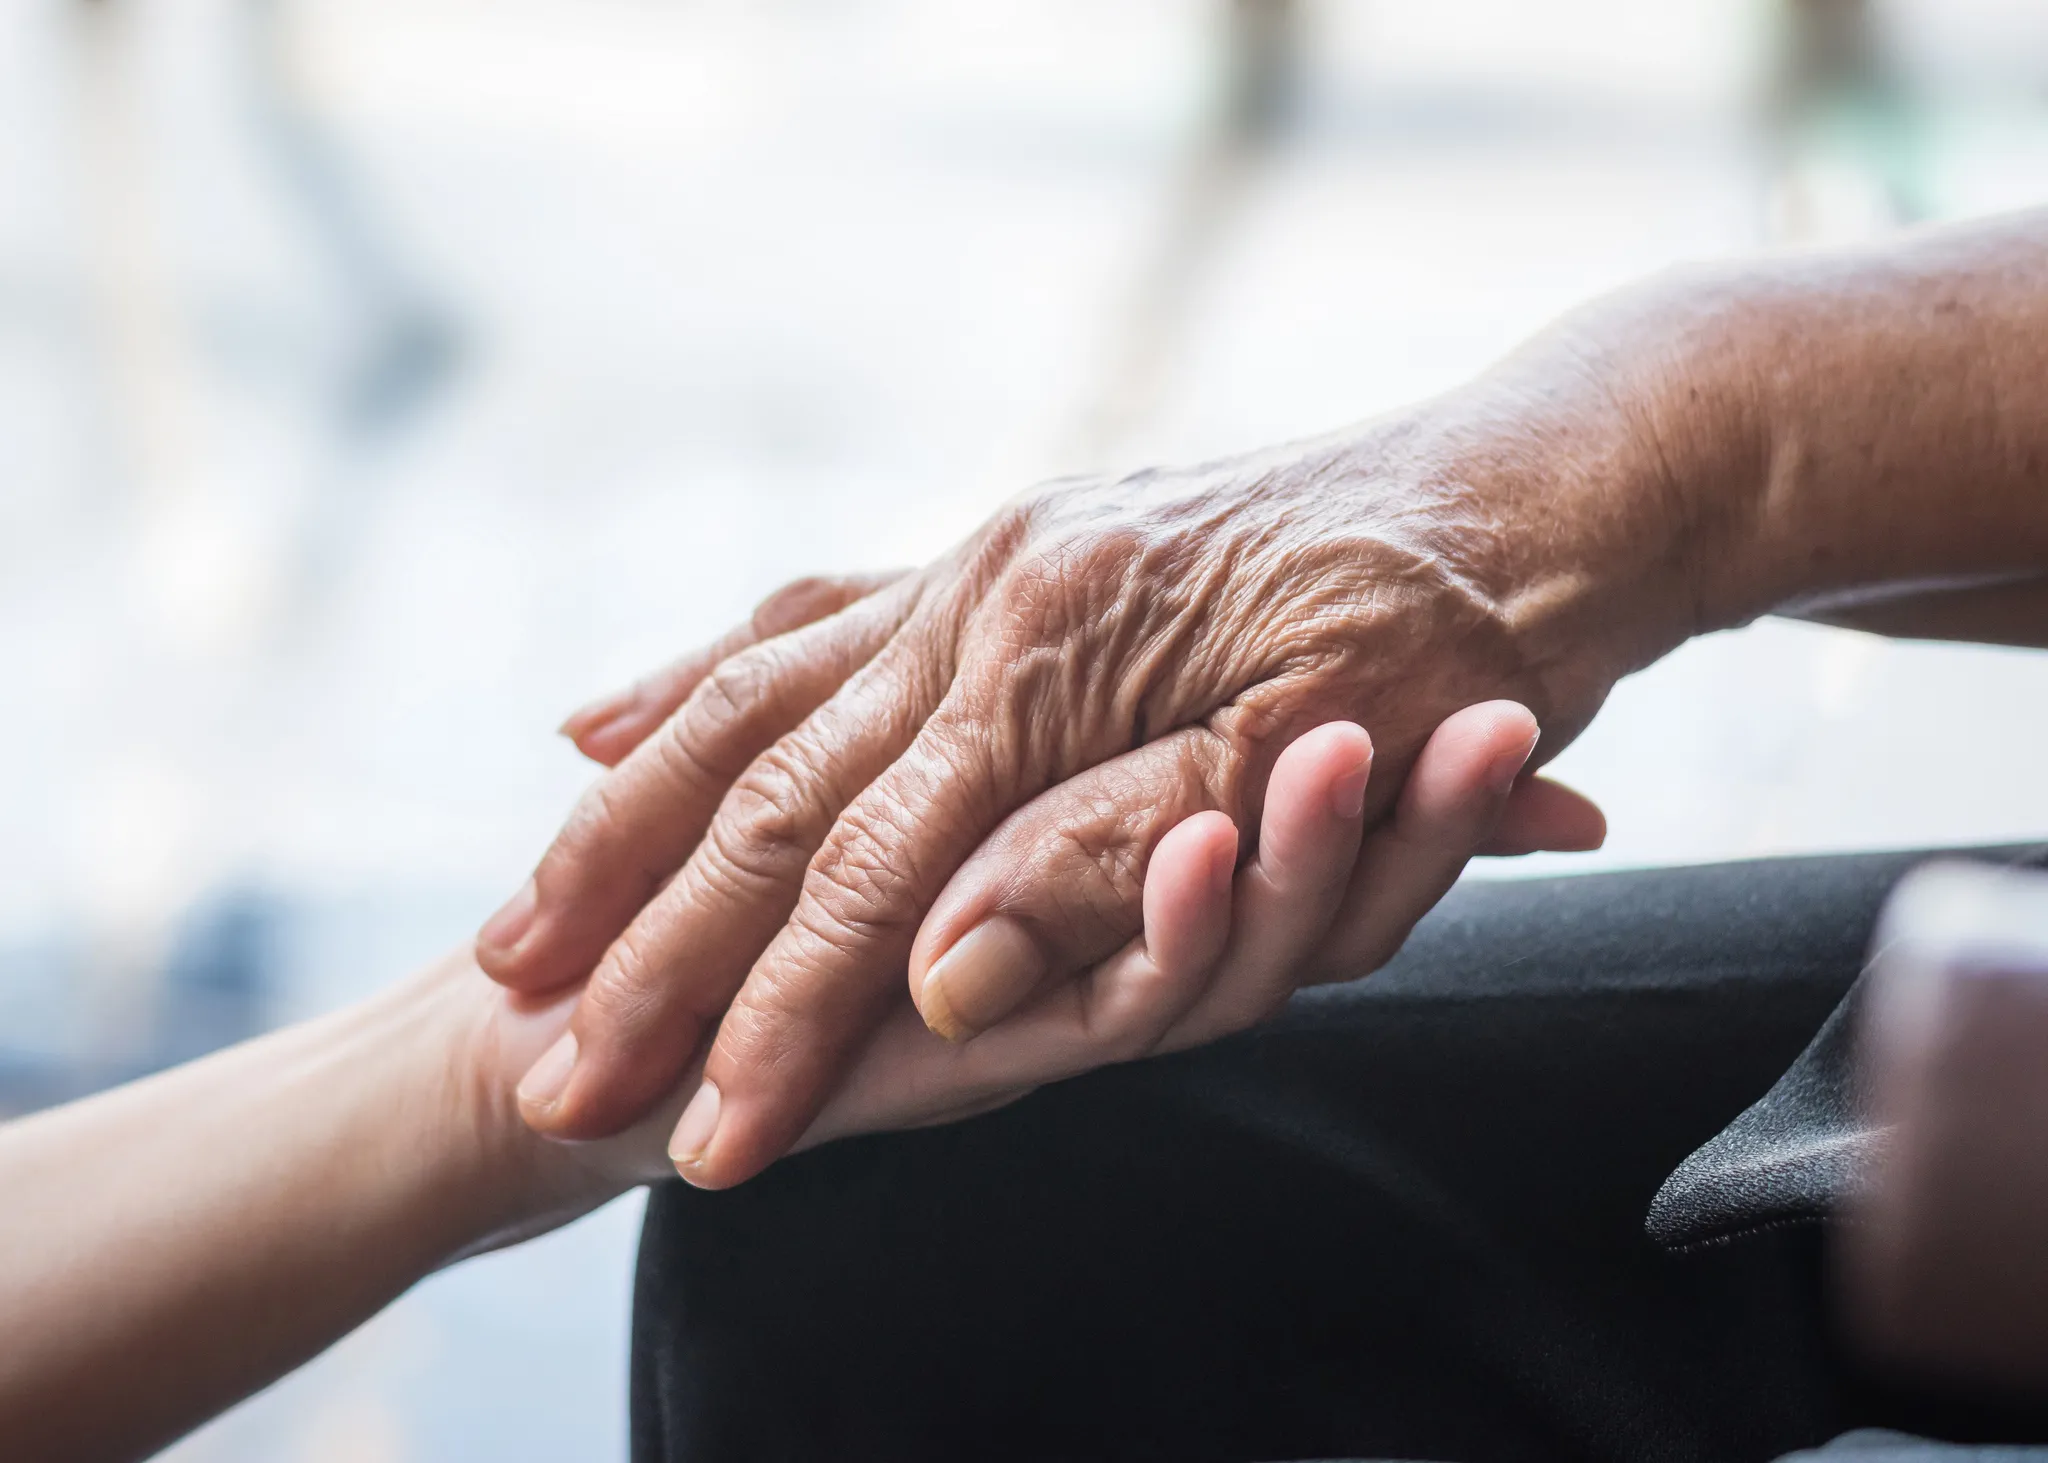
x=1791, y=1156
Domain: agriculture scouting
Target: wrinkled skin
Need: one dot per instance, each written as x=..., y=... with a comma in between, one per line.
x=1219, y=945
x=764, y=862
x=951, y=778
x=341, y=1160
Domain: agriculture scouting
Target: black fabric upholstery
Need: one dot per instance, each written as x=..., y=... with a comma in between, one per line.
x=1795, y=1154
x=1790, y=1158
x=1403, y=1220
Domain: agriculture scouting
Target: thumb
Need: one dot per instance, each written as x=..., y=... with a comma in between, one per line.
x=1059, y=887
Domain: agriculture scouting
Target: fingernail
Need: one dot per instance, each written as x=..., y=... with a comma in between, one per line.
x=694, y=1129
x=509, y=925
x=545, y=1080
x=1509, y=768
x=1347, y=793
x=981, y=979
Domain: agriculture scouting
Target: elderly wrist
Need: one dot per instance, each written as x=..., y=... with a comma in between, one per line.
x=1710, y=413
x=1569, y=514
x=1647, y=461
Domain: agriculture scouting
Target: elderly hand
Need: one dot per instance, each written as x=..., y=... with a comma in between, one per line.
x=765, y=861
x=273, y=1168
x=1220, y=946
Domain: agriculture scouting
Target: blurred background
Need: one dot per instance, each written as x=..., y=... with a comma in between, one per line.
x=379, y=380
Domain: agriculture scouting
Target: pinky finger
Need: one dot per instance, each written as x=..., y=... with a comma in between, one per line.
x=1286, y=898
x=1448, y=810
x=1542, y=816
x=910, y=1076
x=610, y=727
x=1186, y=924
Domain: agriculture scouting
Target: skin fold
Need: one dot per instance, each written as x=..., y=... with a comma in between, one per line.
x=1826, y=433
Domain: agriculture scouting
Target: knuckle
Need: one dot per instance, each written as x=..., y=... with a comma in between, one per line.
x=684, y=756
x=729, y=693
x=775, y=814
x=707, y=737
x=760, y=1034
x=746, y=1040
x=730, y=871
x=1070, y=579
x=843, y=923
x=1097, y=876
x=801, y=1010
x=863, y=885
x=627, y=996
x=743, y=692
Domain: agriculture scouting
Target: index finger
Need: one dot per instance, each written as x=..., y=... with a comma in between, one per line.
x=823, y=984
x=636, y=826
x=612, y=726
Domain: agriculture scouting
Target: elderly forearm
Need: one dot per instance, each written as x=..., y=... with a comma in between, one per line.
x=1682, y=456
x=1864, y=432
x=171, y=1246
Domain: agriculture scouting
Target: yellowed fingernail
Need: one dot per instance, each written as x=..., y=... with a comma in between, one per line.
x=696, y=1128
x=542, y=1086
x=983, y=978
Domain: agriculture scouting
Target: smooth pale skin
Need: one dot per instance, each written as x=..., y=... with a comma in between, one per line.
x=854, y=785
x=168, y=1247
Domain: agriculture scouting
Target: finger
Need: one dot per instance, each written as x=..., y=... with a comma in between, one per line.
x=610, y=727
x=1543, y=816
x=1289, y=894
x=1118, y=1011
x=1284, y=900
x=1446, y=811
x=1052, y=892
x=1187, y=897
x=638, y=823
x=829, y=976
x=908, y=1076
x=673, y=973
x=788, y=1037
x=1060, y=885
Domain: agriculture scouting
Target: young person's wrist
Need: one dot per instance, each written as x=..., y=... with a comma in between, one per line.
x=475, y=1176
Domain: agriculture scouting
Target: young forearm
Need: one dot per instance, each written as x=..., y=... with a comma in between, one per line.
x=174, y=1245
